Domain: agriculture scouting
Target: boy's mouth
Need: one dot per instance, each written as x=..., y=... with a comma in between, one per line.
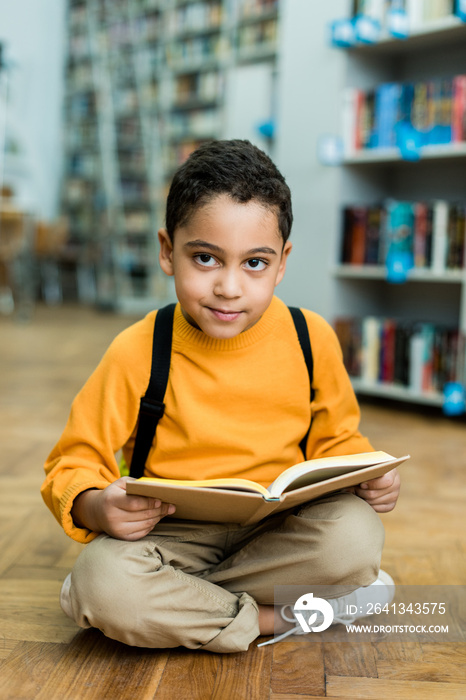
x=225, y=315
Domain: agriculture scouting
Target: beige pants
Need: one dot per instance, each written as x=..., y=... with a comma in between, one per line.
x=197, y=584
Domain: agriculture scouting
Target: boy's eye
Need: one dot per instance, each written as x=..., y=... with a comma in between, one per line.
x=257, y=264
x=205, y=259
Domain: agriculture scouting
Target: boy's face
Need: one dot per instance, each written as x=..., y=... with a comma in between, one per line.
x=227, y=260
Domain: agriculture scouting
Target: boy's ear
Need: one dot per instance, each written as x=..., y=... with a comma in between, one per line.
x=166, y=252
x=282, y=267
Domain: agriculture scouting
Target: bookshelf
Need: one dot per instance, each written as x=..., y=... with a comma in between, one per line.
x=147, y=82
x=431, y=301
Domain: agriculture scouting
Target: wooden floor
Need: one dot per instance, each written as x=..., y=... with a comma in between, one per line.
x=43, y=655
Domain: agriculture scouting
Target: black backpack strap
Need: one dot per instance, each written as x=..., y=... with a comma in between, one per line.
x=152, y=407
x=305, y=342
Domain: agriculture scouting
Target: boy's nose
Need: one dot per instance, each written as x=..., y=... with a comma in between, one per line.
x=228, y=284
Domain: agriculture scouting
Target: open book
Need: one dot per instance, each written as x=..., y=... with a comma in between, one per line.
x=246, y=502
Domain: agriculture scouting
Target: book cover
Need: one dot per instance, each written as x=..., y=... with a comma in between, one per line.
x=248, y=504
x=459, y=108
x=367, y=120
x=428, y=335
x=375, y=219
x=347, y=218
x=370, y=350
x=402, y=349
x=357, y=250
x=386, y=114
x=456, y=233
x=414, y=11
x=420, y=234
x=439, y=235
x=387, y=356
x=348, y=331
x=350, y=116
x=416, y=362
x=441, y=119
x=422, y=111
x=400, y=229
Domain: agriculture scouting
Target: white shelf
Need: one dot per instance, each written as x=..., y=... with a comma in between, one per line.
x=392, y=155
x=435, y=50
x=378, y=272
x=440, y=31
x=397, y=393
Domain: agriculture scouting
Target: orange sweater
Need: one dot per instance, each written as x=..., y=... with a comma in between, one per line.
x=235, y=407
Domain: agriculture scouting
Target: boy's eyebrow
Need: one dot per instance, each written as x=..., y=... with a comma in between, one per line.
x=198, y=243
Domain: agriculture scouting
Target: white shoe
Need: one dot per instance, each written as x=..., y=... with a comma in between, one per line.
x=347, y=608
x=65, y=598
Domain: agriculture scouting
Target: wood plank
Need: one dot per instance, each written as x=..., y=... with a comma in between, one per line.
x=448, y=653
x=350, y=659
x=91, y=667
x=7, y=646
x=443, y=671
x=30, y=610
x=374, y=689
x=27, y=668
x=38, y=546
x=189, y=674
x=38, y=573
x=286, y=696
x=244, y=675
x=400, y=649
x=69, y=554
x=298, y=667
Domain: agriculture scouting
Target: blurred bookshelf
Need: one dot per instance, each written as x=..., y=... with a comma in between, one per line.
x=146, y=83
x=402, y=198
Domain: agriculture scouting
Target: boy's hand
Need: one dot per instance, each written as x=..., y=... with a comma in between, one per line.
x=120, y=515
x=381, y=493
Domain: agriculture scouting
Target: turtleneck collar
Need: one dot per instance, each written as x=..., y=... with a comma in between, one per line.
x=186, y=334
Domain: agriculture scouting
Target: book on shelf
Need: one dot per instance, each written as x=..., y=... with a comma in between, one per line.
x=400, y=228
x=455, y=257
x=427, y=11
x=421, y=357
x=440, y=224
x=418, y=12
x=387, y=351
x=423, y=218
x=432, y=235
x=370, y=349
x=362, y=235
x=196, y=17
x=246, y=502
x=374, y=9
x=434, y=110
x=385, y=106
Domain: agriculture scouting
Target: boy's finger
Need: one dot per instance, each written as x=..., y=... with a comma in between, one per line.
x=378, y=496
x=381, y=482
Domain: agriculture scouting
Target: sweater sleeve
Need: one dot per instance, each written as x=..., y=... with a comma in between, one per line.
x=335, y=410
x=103, y=417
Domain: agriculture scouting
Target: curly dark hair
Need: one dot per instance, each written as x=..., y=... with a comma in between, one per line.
x=234, y=167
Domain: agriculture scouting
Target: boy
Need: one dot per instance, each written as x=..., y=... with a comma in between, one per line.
x=237, y=404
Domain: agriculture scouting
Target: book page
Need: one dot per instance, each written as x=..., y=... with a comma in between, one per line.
x=231, y=484
x=315, y=470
